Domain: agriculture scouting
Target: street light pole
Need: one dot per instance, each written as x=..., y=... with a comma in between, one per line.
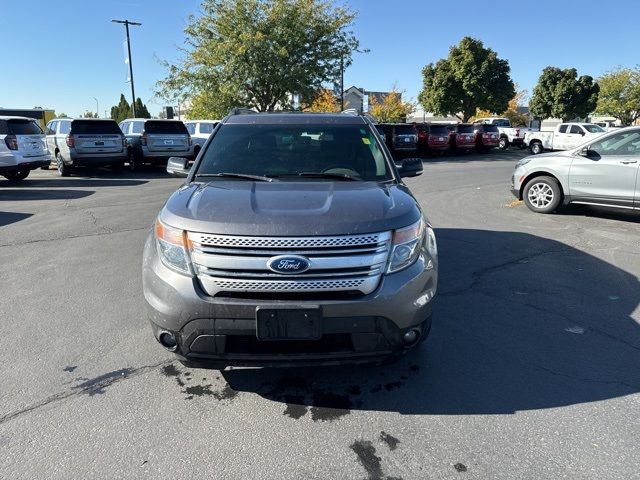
x=126, y=24
x=342, y=83
x=97, y=108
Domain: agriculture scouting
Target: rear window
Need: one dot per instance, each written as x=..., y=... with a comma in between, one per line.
x=439, y=130
x=171, y=128
x=97, y=127
x=490, y=128
x=23, y=127
x=465, y=128
x=405, y=130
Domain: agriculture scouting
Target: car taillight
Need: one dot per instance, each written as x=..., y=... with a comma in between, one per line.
x=422, y=134
x=143, y=139
x=11, y=141
x=70, y=141
x=190, y=141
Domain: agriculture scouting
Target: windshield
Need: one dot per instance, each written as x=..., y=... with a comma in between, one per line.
x=90, y=127
x=593, y=128
x=164, y=127
x=281, y=150
x=23, y=127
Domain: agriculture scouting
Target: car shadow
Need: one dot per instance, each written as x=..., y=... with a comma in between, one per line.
x=7, y=218
x=616, y=214
x=20, y=194
x=512, y=154
x=522, y=323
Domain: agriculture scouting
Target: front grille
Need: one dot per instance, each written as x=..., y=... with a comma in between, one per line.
x=349, y=263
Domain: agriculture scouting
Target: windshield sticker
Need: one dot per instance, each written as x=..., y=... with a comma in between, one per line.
x=366, y=141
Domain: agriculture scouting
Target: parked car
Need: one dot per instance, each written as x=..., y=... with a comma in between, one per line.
x=462, y=137
x=292, y=242
x=509, y=136
x=22, y=147
x=565, y=137
x=487, y=136
x=200, y=130
x=400, y=137
x=85, y=142
x=608, y=125
x=154, y=141
x=437, y=137
x=602, y=171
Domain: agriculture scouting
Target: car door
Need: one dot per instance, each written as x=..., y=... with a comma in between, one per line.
x=574, y=137
x=606, y=172
x=64, y=128
x=560, y=137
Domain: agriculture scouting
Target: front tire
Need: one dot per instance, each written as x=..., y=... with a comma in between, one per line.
x=63, y=169
x=542, y=194
x=18, y=176
x=536, y=148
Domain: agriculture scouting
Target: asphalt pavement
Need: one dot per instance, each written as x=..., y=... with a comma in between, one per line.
x=532, y=369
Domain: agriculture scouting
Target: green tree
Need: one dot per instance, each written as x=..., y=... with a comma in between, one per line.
x=62, y=115
x=391, y=108
x=472, y=77
x=141, y=109
x=88, y=114
x=561, y=94
x=620, y=95
x=122, y=110
x=256, y=53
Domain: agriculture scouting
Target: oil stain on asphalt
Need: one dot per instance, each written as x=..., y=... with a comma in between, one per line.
x=191, y=391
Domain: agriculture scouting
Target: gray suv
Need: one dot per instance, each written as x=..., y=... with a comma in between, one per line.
x=293, y=241
x=603, y=171
x=154, y=141
x=85, y=142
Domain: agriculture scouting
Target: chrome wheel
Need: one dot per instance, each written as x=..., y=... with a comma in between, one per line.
x=540, y=195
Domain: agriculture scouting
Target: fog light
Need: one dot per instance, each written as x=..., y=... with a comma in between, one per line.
x=168, y=341
x=411, y=337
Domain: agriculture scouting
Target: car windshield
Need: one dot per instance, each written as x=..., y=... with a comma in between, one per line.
x=292, y=150
x=90, y=127
x=593, y=128
x=465, y=128
x=439, y=130
x=405, y=130
x=164, y=127
x=23, y=127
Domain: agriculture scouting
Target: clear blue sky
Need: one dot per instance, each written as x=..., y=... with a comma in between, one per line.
x=61, y=53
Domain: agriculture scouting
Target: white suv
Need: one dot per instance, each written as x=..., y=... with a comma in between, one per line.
x=200, y=130
x=22, y=147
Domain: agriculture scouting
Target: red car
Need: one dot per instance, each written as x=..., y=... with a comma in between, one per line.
x=487, y=137
x=432, y=137
x=462, y=137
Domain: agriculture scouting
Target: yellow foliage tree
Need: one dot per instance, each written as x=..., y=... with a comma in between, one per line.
x=391, y=108
x=517, y=119
x=324, y=101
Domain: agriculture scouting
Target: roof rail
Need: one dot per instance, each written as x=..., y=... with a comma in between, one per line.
x=350, y=111
x=241, y=111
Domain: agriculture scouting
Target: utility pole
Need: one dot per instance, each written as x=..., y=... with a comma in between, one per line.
x=97, y=108
x=126, y=24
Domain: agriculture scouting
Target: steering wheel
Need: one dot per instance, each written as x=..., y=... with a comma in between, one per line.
x=341, y=170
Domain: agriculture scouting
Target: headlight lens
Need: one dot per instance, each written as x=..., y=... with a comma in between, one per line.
x=406, y=245
x=172, y=245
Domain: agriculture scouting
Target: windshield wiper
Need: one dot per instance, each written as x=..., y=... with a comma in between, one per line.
x=333, y=176
x=244, y=176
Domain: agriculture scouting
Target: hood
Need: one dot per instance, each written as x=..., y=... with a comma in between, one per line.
x=290, y=208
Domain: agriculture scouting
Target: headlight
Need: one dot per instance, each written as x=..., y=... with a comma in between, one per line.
x=172, y=245
x=523, y=161
x=407, y=243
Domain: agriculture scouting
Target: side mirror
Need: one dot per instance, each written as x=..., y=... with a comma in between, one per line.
x=178, y=166
x=582, y=133
x=587, y=152
x=410, y=167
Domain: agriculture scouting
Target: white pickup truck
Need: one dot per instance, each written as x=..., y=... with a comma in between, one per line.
x=508, y=134
x=565, y=137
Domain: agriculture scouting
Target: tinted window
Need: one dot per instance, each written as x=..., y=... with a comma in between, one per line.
x=172, y=128
x=576, y=129
x=207, y=127
x=490, y=128
x=563, y=128
x=191, y=128
x=439, y=130
x=465, y=128
x=627, y=144
x=105, y=127
x=405, y=130
x=137, y=127
x=23, y=127
x=4, y=130
x=124, y=126
x=275, y=150
x=65, y=127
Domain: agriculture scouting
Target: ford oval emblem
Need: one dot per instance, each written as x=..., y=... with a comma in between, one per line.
x=288, y=264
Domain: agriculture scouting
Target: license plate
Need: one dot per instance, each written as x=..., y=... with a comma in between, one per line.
x=168, y=142
x=288, y=323
x=407, y=140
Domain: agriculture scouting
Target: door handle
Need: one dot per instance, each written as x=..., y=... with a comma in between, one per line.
x=627, y=162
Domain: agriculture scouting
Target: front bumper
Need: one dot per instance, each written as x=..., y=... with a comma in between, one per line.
x=222, y=330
